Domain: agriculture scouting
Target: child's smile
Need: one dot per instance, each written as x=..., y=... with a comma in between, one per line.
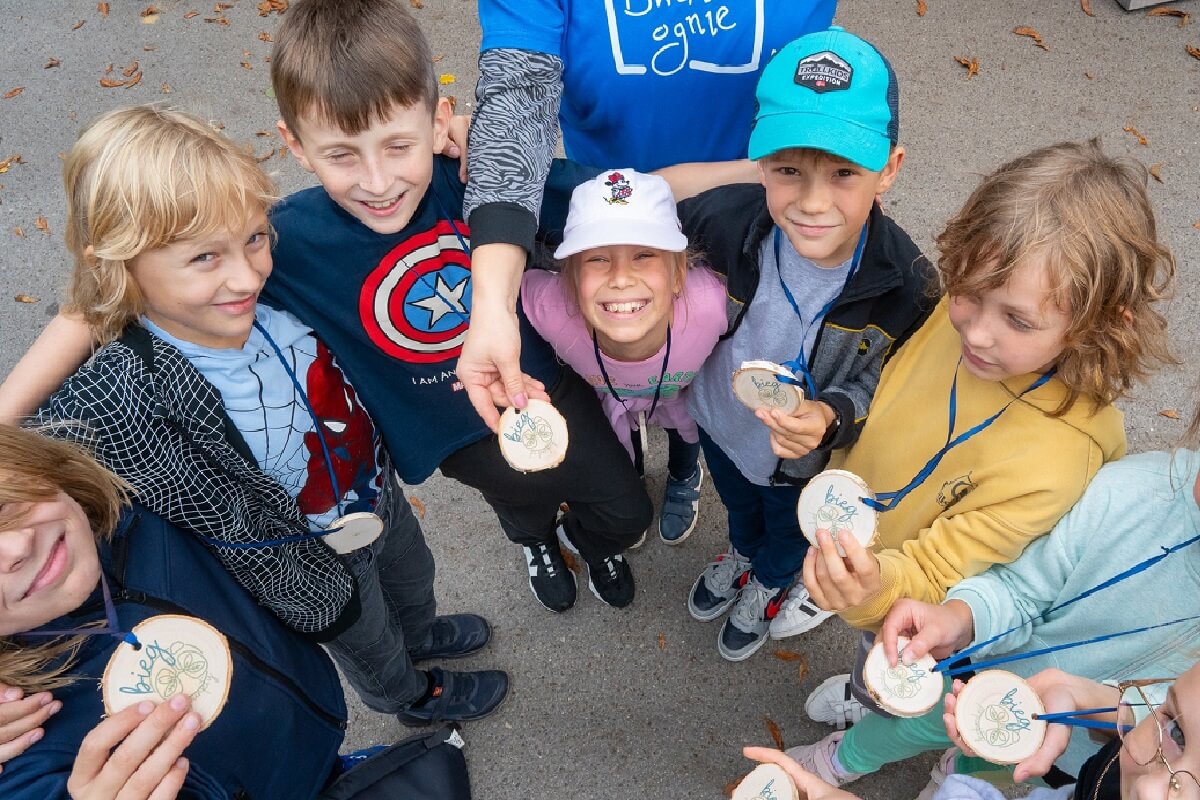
x=626, y=293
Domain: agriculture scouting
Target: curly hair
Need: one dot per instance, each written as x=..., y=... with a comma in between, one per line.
x=141, y=178
x=1087, y=216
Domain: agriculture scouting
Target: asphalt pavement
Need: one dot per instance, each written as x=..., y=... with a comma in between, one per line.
x=634, y=703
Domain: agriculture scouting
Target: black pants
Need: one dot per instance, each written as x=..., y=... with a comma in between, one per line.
x=609, y=508
x=682, y=456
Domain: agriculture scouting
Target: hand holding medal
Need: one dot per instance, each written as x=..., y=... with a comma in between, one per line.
x=840, y=571
x=533, y=438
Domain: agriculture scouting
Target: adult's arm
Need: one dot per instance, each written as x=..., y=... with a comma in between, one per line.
x=57, y=352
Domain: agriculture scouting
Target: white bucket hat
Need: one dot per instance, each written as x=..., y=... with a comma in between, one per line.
x=622, y=206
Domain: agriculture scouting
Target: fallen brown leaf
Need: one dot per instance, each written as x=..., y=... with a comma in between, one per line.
x=662, y=642
x=1156, y=171
x=18, y=232
x=191, y=14
x=437, y=58
x=102, y=8
x=266, y=7
x=54, y=62
x=1087, y=75
x=111, y=83
x=11, y=93
x=150, y=48
x=217, y=20
x=166, y=88
x=788, y=655
x=416, y=3
x=79, y=24
x=1194, y=52
x=1169, y=413
x=246, y=65
x=802, y=670
x=971, y=64
x=921, y=8
x=264, y=36
x=42, y=225
x=1142, y=140
x=570, y=560
x=453, y=101
x=1025, y=30
x=149, y=11
x=417, y=505
x=776, y=734
x=219, y=7
x=1196, y=224
x=1184, y=17
x=25, y=298
x=264, y=157
x=1086, y=5
x=262, y=133
x=132, y=68
x=134, y=81
x=8, y=162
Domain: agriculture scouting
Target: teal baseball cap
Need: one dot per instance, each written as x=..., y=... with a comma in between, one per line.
x=828, y=91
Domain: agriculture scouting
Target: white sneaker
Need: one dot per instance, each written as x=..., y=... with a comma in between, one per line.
x=937, y=776
x=820, y=758
x=834, y=704
x=799, y=614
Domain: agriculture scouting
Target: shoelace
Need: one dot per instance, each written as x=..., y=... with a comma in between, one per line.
x=542, y=553
x=749, y=609
x=726, y=571
x=610, y=566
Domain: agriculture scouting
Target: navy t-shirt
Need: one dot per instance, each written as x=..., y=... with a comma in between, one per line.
x=394, y=309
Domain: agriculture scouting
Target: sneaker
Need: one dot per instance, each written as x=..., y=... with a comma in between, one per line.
x=453, y=636
x=834, y=704
x=677, y=519
x=553, y=584
x=718, y=586
x=746, y=629
x=458, y=697
x=820, y=758
x=610, y=579
x=937, y=776
x=798, y=614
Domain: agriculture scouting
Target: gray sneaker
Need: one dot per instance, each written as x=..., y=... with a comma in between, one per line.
x=718, y=586
x=746, y=629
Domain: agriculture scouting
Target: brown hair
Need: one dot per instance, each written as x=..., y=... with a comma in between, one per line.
x=350, y=63
x=1088, y=217
x=35, y=468
x=141, y=178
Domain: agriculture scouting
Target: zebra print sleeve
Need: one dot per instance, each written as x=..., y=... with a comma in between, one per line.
x=513, y=137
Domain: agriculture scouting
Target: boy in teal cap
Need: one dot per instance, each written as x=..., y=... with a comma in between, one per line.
x=819, y=281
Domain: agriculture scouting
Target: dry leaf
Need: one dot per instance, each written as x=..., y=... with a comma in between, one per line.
x=263, y=158
x=54, y=62
x=18, y=232
x=1086, y=5
x=149, y=11
x=262, y=133
x=264, y=37
x=191, y=14
x=788, y=655
x=108, y=70
x=437, y=58
x=417, y=505
x=102, y=8
x=150, y=48
x=1025, y=30
x=416, y=3
x=972, y=65
x=453, y=101
x=776, y=734
x=802, y=670
x=570, y=560
x=25, y=298
x=267, y=6
x=150, y=19
x=1194, y=52
x=1196, y=224
x=79, y=24
x=111, y=83
x=11, y=93
x=662, y=642
x=1169, y=413
x=921, y=8
x=166, y=88
x=445, y=79
x=1184, y=17
x=219, y=7
x=1087, y=75
x=42, y=225
x=8, y=162
x=1142, y=140
x=217, y=20
x=132, y=68
x=1156, y=171
x=134, y=81
x=246, y=65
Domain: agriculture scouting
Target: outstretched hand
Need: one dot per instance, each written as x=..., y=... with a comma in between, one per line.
x=940, y=630
x=811, y=787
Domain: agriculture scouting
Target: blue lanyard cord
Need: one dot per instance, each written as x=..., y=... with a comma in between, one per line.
x=337, y=492
x=886, y=501
x=994, y=662
x=424, y=279
x=662, y=374
x=111, y=628
x=1135, y=569
x=800, y=363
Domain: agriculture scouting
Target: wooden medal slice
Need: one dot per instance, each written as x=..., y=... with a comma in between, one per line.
x=766, y=782
x=833, y=501
x=533, y=438
x=178, y=654
x=353, y=531
x=757, y=385
x=906, y=690
x=995, y=714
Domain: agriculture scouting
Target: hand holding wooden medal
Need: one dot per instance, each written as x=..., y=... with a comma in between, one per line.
x=840, y=571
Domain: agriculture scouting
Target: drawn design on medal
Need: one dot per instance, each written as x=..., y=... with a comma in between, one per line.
x=903, y=680
x=534, y=433
x=179, y=667
x=770, y=392
x=835, y=514
x=1002, y=723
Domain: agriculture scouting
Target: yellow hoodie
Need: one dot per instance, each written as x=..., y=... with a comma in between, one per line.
x=990, y=496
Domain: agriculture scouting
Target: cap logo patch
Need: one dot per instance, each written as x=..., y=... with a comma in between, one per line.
x=619, y=190
x=824, y=72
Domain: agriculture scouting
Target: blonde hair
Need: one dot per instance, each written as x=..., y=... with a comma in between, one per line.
x=1088, y=217
x=141, y=178
x=35, y=468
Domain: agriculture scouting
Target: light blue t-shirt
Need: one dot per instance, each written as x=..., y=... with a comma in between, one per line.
x=263, y=403
x=770, y=331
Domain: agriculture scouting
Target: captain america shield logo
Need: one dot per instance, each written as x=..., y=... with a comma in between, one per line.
x=416, y=304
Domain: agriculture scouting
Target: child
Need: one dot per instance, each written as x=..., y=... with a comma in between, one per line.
x=230, y=419
x=1051, y=270
x=795, y=284
x=628, y=314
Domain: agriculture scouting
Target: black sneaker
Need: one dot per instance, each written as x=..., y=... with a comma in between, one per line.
x=453, y=636
x=553, y=584
x=610, y=579
x=458, y=697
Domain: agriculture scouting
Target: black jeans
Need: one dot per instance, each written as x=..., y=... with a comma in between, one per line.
x=609, y=508
x=682, y=456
